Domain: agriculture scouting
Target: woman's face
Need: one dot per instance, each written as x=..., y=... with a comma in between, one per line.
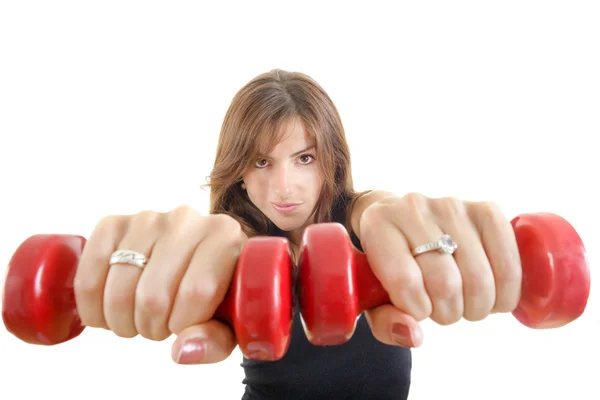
x=288, y=176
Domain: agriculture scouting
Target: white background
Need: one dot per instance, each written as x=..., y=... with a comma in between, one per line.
x=116, y=107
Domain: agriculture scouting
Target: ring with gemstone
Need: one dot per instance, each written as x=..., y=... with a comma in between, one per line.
x=444, y=244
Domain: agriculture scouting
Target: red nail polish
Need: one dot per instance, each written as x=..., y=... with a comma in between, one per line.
x=192, y=351
x=402, y=334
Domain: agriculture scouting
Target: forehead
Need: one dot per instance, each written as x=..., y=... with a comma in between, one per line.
x=284, y=138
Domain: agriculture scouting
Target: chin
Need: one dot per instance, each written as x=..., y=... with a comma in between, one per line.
x=287, y=226
x=287, y=223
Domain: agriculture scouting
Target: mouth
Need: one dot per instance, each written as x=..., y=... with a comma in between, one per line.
x=285, y=207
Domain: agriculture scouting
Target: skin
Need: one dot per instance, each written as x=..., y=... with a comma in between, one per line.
x=191, y=259
x=289, y=174
x=482, y=277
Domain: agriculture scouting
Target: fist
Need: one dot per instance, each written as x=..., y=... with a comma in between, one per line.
x=481, y=276
x=190, y=261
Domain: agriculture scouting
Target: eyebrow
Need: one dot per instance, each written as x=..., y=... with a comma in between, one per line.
x=293, y=155
x=302, y=151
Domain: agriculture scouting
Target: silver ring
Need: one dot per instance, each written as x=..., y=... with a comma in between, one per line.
x=128, y=257
x=444, y=244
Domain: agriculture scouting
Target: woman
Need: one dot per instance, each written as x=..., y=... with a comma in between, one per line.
x=283, y=163
x=283, y=139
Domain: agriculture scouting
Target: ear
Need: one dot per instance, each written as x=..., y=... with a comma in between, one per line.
x=243, y=185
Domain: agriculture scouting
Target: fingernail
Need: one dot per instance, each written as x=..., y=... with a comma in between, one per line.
x=192, y=351
x=403, y=335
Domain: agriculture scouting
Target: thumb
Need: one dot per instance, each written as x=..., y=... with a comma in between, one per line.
x=206, y=343
x=391, y=326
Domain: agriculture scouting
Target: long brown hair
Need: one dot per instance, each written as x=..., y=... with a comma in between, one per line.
x=252, y=126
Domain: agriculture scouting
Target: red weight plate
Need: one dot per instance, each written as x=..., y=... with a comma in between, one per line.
x=38, y=303
x=556, y=274
x=259, y=303
x=328, y=291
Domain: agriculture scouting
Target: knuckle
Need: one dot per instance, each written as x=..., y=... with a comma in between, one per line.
x=153, y=303
x=449, y=207
x=448, y=312
x=423, y=312
x=444, y=288
x=145, y=218
x=128, y=334
x=508, y=295
x=478, y=285
x=203, y=293
x=416, y=202
x=411, y=283
x=85, y=287
x=477, y=315
x=489, y=212
x=108, y=224
x=481, y=291
x=124, y=333
x=505, y=305
x=406, y=280
x=118, y=300
x=446, y=319
x=415, y=208
x=509, y=273
x=158, y=335
x=229, y=229
x=225, y=223
x=473, y=316
x=375, y=214
x=182, y=215
x=176, y=324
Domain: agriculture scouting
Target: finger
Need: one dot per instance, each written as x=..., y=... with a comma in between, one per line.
x=391, y=326
x=206, y=281
x=441, y=274
x=392, y=264
x=92, y=271
x=479, y=292
x=207, y=343
x=499, y=242
x=157, y=287
x=122, y=280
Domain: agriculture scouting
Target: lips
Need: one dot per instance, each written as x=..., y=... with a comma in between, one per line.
x=285, y=207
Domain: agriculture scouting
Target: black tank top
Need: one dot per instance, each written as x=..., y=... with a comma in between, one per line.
x=362, y=368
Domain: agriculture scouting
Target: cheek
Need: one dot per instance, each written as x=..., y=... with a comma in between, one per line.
x=257, y=189
x=317, y=182
x=311, y=188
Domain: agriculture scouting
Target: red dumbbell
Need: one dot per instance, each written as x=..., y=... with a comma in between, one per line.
x=39, y=301
x=336, y=284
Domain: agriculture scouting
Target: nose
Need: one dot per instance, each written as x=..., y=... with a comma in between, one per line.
x=283, y=182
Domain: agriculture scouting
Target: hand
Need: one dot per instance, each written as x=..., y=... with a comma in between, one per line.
x=483, y=276
x=190, y=263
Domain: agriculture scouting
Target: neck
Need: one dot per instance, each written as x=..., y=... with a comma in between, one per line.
x=295, y=239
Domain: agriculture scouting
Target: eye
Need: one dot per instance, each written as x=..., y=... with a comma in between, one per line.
x=259, y=161
x=303, y=157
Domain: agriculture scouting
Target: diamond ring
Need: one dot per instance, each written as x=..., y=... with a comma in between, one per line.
x=444, y=244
